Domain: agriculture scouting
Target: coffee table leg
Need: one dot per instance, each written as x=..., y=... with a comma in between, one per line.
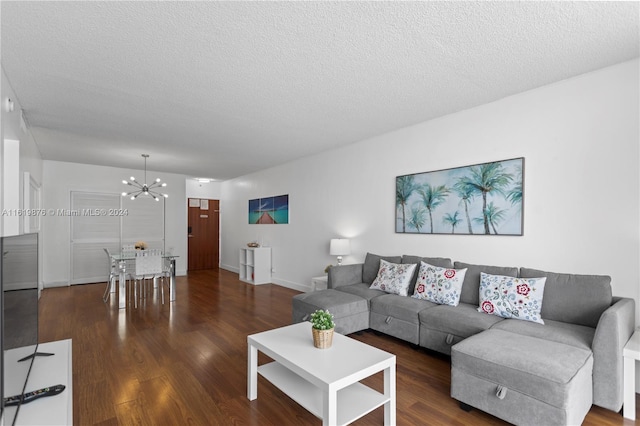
x=330, y=408
x=390, y=392
x=252, y=372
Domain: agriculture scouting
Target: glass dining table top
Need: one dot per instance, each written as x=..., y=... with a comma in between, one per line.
x=132, y=256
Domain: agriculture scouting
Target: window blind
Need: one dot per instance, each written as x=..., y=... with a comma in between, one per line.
x=103, y=220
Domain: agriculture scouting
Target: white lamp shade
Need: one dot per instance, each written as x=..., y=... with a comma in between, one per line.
x=339, y=247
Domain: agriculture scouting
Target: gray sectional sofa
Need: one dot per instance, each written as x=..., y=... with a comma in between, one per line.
x=523, y=372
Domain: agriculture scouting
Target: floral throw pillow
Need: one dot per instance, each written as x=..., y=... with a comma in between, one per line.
x=439, y=285
x=509, y=297
x=394, y=277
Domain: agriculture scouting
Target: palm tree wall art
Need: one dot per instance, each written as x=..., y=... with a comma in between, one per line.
x=405, y=187
x=483, y=199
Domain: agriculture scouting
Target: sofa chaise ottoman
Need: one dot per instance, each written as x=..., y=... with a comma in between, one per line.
x=350, y=312
x=522, y=379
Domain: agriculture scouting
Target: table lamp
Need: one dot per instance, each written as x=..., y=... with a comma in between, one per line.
x=339, y=247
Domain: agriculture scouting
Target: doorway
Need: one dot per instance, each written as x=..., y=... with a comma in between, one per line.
x=203, y=234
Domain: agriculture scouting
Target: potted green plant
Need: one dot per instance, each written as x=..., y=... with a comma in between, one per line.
x=322, y=326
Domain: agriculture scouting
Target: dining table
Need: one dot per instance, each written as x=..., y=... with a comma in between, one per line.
x=121, y=259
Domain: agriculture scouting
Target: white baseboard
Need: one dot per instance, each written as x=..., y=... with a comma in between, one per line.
x=291, y=285
x=230, y=268
x=274, y=280
x=52, y=284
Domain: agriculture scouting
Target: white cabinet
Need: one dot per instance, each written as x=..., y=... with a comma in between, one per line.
x=255, y=265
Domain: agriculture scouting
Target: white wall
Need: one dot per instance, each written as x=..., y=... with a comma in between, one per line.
x=29, y=159
x=209, y=190
x=579, y=138
x=60, y=178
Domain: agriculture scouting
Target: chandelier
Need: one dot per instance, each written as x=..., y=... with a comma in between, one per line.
x=150, y=190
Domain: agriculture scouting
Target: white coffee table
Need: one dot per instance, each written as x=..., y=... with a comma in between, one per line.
x=323, y=381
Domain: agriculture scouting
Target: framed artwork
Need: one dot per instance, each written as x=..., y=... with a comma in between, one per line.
x=269, y=210
x=483, y=199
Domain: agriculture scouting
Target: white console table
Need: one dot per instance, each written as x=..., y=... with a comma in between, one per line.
x=631, y=353
x=319, y=283
x=46, y=371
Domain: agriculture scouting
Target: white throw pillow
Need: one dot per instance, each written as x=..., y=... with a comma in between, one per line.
x=394, y=278
x=439, y=285
x=509, y=297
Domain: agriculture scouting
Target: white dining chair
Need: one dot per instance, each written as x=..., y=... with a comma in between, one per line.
x=148, y=266
x=162, y=280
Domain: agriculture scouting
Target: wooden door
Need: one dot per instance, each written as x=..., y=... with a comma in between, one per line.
x=203, y=234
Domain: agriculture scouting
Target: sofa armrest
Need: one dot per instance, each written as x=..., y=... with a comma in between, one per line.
x=344, y=275
x=612, y=333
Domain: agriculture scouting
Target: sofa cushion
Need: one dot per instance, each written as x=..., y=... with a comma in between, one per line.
x=372, y=264
x=361, y=290
x=394, y=278
x=471, y=285
x=435, y=261
x=439, y=285
x=404, y=308
x=463, y=320
x=577, y=299
x=509, y=297
x=576, y=335
x=344, y=275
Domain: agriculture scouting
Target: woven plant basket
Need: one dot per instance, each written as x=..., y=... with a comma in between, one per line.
x=322, y=339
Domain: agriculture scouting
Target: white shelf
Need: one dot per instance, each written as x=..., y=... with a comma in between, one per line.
x=255, y=265
x=354, y=401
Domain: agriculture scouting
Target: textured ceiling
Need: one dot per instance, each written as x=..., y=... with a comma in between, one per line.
x=222, y=89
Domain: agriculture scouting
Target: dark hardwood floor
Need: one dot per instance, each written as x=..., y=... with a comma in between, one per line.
x=185, y=362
